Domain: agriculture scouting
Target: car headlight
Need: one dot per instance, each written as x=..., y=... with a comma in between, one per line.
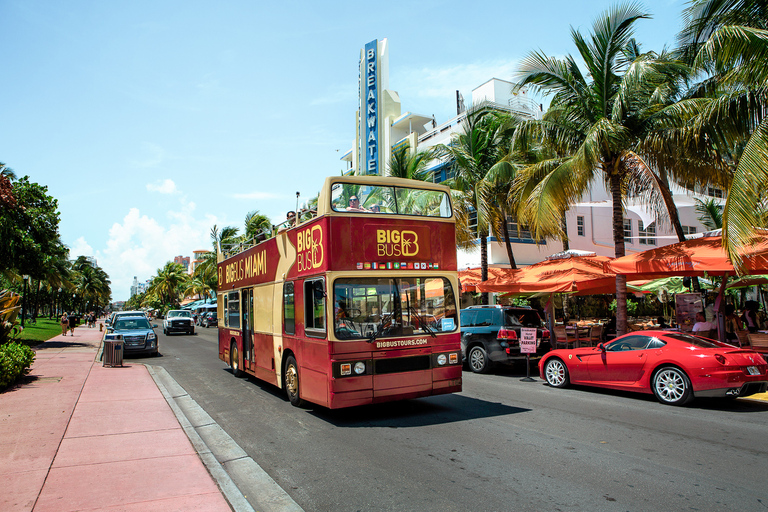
x=151, y=335
x=359, y=367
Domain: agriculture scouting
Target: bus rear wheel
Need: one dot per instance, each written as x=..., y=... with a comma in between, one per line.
x=234, y=360
x=291, y=382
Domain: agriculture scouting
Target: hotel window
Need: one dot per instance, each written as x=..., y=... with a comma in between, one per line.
x=628, y=231
x=715, y=192
x=647, y=236
x=580, y=225
x=518, y=231
x=689, y=230
x=472, y=223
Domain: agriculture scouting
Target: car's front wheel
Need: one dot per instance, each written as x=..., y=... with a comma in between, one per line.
x=672, y=386
x=556, y=373
x=477, y=359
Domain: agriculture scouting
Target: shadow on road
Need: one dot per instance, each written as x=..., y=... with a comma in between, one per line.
x=61, y=344
x=416, y=413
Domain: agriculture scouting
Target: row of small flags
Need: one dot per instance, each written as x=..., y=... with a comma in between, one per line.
x=397, y=265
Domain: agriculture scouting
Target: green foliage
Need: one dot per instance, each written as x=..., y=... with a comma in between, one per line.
x=521, y=302
x=15, y=361
x=632, y=307
x=9, y=311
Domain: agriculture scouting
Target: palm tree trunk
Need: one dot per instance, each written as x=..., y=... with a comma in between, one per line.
x=619, y=251
x=507, y=243
x=484, y=266
x=674, y=215
x=564, y=224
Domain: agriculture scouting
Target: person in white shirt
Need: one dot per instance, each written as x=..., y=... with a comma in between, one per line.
x=701, y=324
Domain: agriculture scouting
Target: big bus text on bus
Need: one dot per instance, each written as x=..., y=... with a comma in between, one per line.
x=356, y=305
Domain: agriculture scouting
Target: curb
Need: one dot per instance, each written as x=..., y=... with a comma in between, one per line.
x=221, y=454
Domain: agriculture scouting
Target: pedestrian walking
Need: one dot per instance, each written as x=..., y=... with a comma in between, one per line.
x=64, y=323
x=72, y=323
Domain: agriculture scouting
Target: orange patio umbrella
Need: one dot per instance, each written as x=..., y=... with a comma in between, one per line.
x=581, y=275
x=471, y=276
x=693, y=257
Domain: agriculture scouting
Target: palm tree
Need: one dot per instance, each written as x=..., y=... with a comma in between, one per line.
x=730, y=41
x=710, y=213
x=168, y=283
x=474, y=152
x=256, y=226
x=196, y=286
x=595, y=125
x=412, y=165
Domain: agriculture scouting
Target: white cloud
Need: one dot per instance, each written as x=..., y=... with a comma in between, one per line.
x=139, y=245
x=151, y=155
x=80, y=248
x=166, y=186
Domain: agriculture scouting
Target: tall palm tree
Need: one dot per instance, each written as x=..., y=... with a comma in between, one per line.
x=256, y=226
x=595, y=124
x=730, y=41
x=473, y=152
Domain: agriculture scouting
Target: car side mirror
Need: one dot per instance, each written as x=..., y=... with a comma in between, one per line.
x=601, y=347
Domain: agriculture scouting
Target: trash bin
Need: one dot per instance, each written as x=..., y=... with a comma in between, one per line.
x=113, y=353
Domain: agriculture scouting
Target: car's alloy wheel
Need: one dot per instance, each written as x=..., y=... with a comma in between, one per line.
x=556, y=373
x=478, y=360
x=671, y=386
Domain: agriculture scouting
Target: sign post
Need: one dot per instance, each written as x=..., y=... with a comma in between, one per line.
x=528, y=347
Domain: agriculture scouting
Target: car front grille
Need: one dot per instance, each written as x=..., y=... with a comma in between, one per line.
x=134, y=340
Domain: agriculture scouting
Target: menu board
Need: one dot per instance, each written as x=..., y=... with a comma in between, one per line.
x=686, y=307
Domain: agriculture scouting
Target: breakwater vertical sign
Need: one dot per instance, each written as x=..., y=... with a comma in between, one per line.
x=369, y=109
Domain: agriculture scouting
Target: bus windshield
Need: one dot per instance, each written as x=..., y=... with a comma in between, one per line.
x=349, y=197
x=366, y=308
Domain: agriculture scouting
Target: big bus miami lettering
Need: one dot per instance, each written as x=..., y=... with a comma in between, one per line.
x=393, y=242
x=309, y=245
x=250, y=266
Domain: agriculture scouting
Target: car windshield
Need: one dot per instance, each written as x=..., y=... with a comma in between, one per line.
x=384, y=307
x=131, y=324
x=182, y=314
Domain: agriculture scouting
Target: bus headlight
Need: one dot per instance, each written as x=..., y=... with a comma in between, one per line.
x=359, y=367
x=442, y=359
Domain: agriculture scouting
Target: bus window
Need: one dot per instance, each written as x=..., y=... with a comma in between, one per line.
x=349, y=197
x=388, y=307
x=314, y=308
x=289, y=309
x=233, y=310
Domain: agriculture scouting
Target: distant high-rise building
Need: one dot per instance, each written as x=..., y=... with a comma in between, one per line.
x=183, y=261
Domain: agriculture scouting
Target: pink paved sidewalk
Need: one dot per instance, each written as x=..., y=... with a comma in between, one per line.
x=83, y=437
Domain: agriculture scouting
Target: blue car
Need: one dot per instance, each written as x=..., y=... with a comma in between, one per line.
x=137, y=333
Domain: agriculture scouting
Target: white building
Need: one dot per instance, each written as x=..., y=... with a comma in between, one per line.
x=384, y=127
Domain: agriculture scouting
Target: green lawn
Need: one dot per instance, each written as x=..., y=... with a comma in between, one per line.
x=34, y=334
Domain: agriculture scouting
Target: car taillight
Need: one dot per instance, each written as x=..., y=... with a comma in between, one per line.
x=506, y=334
x=545, y=333
x=720, y=358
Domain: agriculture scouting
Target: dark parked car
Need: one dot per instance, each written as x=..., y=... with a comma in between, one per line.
x=491, y=334
x=210, y=319
x=137, y=333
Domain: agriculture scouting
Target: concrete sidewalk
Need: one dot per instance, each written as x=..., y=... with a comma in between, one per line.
x=78, y=436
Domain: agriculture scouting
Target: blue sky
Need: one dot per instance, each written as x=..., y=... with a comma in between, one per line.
x=151, y=121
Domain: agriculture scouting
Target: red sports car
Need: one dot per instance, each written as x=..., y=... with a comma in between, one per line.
x=674, y=366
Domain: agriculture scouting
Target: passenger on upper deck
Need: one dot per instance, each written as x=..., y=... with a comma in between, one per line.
x=290, y=221
x=354, y=205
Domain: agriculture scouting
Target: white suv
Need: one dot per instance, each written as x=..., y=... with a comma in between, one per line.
x=178, y=320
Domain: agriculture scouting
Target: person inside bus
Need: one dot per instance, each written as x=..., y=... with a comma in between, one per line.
x=290, y=221
x=354, y=205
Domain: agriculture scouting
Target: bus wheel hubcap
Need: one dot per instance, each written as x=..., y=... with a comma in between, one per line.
x=291, y=380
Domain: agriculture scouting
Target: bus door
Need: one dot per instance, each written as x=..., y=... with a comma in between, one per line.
x=247, y=323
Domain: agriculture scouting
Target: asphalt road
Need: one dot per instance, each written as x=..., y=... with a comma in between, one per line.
x=501, y=444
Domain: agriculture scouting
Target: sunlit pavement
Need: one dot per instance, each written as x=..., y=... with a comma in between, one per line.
x=763, y=397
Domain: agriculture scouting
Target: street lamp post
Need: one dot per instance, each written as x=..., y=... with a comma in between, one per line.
x=58, y=298
x=24, y=300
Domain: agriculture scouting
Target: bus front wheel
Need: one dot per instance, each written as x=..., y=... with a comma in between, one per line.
x=234, y=360
x=291, y=382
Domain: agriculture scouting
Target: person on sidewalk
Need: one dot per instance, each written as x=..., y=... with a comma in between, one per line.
x=64, y=323
x=72, y=323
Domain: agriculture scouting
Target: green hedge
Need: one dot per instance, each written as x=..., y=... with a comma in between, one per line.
x=15, y=361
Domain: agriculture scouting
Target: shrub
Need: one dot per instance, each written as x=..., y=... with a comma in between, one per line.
x=15, y=361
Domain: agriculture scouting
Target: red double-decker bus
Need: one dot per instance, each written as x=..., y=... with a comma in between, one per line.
x=356, y=304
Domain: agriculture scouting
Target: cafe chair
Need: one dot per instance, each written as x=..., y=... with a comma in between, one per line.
x=596, y=335
x=561, y=337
